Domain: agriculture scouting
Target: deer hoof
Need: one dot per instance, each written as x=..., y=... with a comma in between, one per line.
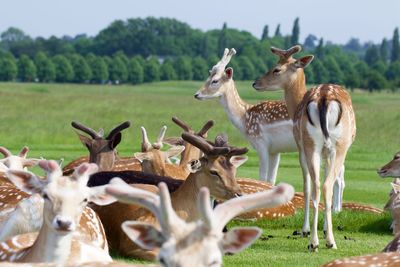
x=331, y=246
x=313, y=248
x=305, y=234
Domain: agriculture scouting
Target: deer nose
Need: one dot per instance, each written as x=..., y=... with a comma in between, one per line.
x=196, y=95
x=63, y=224
x=254, y=85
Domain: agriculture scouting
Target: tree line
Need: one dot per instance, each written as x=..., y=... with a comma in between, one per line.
x=147, y=50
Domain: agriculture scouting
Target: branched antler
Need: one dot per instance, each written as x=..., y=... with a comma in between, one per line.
x=286, y=54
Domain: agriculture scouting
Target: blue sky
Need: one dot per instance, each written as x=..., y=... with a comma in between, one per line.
x=335, y=20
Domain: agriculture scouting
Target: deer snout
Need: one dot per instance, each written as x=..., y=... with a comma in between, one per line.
x=63, y=224
x=382, y=172
x=196, y=95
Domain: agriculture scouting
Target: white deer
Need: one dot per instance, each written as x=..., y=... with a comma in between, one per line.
x=201, y=242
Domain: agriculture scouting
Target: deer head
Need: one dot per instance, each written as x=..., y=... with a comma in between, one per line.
x=217, y=168
x=102, y=149
x=219, y=78
x=391, y=169
x=14, y=162
x=199, y=243
x=287, y=70
x=190, y=152
x=64, y=197
x=153, y=159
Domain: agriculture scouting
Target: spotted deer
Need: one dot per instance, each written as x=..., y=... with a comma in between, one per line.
x=88, y=264
x=102, y=150
x=200, y=242
x=65, y=198
x=155, y=161
x=389, y=259
x=215, y=170
x=323, y=127
x=266, y=125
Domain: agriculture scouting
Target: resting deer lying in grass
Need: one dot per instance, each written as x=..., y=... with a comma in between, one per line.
x=102, y=150
x=89, y=264
x=155, y=161
x=65, y=199
x=215, y=170
x=391, y=259
x=323, y=126
x=200, y=242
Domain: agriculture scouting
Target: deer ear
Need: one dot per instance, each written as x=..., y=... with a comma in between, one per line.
x=144, y=235
x=303, y=62
x=99, y=196
x=141, y=156
x=238, y=239
x=238, y=160
x=26, y=181
x=86, y=141
x=174, y=151
x=229, y=73
x=116, y=140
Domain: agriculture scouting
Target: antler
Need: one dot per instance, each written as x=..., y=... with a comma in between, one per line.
x=118, y=129
x=24, y=151
x=203, y=131
x=226, y=211
x=204, y=146
x=222, y=141
x=85, y=129
x=285, y=54
x=220, y=66
x=159, y=144
x=146, y=145
x=182, y=124
x=6, y=153
x=160, y=205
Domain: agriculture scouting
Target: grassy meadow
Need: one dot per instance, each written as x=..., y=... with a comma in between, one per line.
x=39, y=115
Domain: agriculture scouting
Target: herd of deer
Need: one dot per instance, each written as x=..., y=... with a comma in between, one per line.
x=150, y=208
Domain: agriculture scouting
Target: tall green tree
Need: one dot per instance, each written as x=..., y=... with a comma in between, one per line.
x=384, y=50
x=167, y=71
x=64, y=70
x=335, y=75
x=376, y=81
x=98, y=67
x=183, y=68
x=319, y=50
x=26, y=69
x=278, y=31
x=294, y=39
x=372, y=55
x=83, y=72
x=392, y=74
x=395, y=46
x=321, y=74
x=46, y=71
x=8, y=68
x=200, y=69
x=223, y=38
x=152, y=70
x=265, y=33
x=136, y=72
x=247, y=68
x=118, y=70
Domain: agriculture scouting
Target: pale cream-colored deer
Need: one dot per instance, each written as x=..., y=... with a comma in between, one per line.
x=65, y=198
x=266, y=125
x=323, y=126
x=155, y=161
x=215, y=170
x=199, y=243
x=102, y=150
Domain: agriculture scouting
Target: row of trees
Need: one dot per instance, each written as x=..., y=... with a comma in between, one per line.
x=146, y=50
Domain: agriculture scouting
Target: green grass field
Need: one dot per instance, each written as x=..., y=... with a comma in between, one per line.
x=39, y=115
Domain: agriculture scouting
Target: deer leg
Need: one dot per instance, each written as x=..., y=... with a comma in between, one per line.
x=263, y=157
x=338, y=191
x=273, y=165
x=306, y=191
x=313, y=162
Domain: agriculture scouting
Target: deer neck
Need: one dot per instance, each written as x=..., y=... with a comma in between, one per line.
x=295, y=89
x=49, y=247
x=184, y=199
x=234, y=106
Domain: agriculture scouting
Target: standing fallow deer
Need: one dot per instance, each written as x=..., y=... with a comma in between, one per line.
x=199, y=243
x=215, y=170
x=155, y=161
x=65, y=199
x=266, y=125
x=323, y=126
x=102, y=150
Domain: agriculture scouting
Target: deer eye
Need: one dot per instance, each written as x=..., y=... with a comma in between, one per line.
x=85, y=200
x=214, y=81
x=215, y=173
x=397, y=156
x=277, y=71
x=45, y=196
